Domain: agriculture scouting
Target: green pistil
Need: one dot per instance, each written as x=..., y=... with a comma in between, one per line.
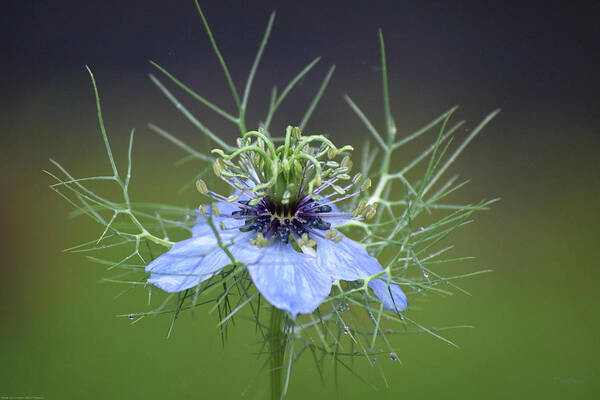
x=287, y=172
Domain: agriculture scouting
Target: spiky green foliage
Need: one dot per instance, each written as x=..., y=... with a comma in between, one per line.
x=352, y=322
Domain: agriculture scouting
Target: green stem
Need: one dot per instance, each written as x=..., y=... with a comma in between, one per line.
x=277, y=345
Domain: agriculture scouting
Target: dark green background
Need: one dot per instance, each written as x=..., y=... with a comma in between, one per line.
x=535, y=315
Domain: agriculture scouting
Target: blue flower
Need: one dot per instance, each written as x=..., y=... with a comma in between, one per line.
x=291, y=280
x=279, y=223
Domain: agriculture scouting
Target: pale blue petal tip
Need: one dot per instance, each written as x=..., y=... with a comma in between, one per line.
x=394, y=302
x=346, y=260
x=172, y=283
x=349, y=260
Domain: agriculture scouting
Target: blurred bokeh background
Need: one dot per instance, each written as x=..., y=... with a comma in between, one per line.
x=535, y=317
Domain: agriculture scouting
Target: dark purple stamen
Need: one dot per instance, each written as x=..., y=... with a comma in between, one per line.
x=274, y=219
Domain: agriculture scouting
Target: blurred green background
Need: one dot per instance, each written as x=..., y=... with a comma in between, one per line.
x=535, y=316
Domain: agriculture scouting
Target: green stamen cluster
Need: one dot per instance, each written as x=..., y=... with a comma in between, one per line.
x=295, y=168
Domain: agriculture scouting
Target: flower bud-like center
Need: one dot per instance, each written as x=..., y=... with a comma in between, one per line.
x=287, y=191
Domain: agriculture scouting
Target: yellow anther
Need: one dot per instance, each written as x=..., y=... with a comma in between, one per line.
x=226, y=162
x=331, y=234
x=255, y=201
x=216, y=169
x=346, y=162
x=201, y=186
x=366, y=185
x=304, y=238
x=261, y=241
x=233, y=197
x=338, y=189
x=371, y=211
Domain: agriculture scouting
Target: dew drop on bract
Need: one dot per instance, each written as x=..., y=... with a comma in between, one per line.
x=131, y=316
x=393, y=356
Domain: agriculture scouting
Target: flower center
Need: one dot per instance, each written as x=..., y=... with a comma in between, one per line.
x=279, y=221
x=291, y=188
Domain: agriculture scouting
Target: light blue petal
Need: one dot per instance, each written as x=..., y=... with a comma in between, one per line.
x=201, y=227
x=182, y=266
x=243, y=251
x=396, y=302
x=349, y=261
x=346, y=260
x=290, y=280
x=238, y=246
x=192, y=261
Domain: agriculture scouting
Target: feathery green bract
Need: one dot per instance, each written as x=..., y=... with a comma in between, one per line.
x=352, y=322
